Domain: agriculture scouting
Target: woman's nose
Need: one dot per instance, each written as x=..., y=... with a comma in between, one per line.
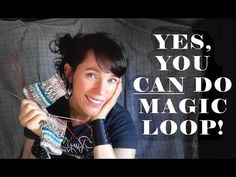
x=100, y=87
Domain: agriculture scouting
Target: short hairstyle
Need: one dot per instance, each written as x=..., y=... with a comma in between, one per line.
x=110, y=54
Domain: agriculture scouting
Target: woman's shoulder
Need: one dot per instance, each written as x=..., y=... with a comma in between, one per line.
x=121, y=128
x=118, y=110
x=118, y=114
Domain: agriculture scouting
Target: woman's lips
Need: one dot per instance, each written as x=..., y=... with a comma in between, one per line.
x=96, y=102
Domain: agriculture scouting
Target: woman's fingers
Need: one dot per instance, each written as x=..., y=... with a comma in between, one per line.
x=31, y=115
x=26, y=102
x=116, y=94
x=118, y=90
x=34, y=124
x=25, y=108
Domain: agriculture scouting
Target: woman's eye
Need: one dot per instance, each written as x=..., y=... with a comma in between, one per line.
x=91, y=75
x=112, y=81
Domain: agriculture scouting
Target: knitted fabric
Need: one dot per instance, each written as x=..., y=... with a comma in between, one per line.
x=53, y=133
x=47, y=92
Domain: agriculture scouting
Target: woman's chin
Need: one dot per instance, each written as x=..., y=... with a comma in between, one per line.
x=92, y=113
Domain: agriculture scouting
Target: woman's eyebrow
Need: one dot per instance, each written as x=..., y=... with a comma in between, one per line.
x=93, y=69
x=99, y=71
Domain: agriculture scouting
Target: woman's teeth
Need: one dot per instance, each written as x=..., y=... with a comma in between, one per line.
x=95, y=101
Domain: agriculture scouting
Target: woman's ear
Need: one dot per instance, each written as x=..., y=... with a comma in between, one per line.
x=68, y=72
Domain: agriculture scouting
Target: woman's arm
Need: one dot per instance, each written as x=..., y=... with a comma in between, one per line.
x=125, y=153
x=30, y=117
x=107, y=151
x=104, y=152
x=27, y=149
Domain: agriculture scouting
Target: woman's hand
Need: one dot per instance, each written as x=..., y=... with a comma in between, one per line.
x=110, y=103
x=31, y=115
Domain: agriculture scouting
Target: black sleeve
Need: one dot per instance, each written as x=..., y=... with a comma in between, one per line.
x=122, y=131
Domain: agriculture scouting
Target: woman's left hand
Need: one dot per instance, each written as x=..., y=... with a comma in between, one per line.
x=110, y=103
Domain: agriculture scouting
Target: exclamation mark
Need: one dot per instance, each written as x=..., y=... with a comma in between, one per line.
x=220, y=123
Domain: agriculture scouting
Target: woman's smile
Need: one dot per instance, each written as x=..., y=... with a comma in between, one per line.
x=93, y=101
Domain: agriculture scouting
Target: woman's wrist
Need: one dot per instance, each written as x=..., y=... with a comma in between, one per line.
x=100, y=135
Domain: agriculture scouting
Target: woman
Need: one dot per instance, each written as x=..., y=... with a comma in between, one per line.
x=91, y=66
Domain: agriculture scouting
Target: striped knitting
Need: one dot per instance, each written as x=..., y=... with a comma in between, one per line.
x=46, y=92
x=53, y=133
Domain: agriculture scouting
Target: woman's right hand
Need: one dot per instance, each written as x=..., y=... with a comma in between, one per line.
x=31, y=115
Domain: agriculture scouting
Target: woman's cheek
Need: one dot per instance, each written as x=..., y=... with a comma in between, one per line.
x=111, y=90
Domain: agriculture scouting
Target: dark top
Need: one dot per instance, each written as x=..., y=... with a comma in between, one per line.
x=78, y=142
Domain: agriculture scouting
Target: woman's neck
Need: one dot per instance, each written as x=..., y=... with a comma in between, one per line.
x=75, y=114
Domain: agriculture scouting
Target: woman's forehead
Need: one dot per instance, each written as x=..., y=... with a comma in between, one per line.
x=90, y=63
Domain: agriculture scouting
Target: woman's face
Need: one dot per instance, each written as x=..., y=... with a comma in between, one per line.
x=92, y=87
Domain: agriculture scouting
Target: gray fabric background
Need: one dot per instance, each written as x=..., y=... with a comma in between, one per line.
x=29, y=41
